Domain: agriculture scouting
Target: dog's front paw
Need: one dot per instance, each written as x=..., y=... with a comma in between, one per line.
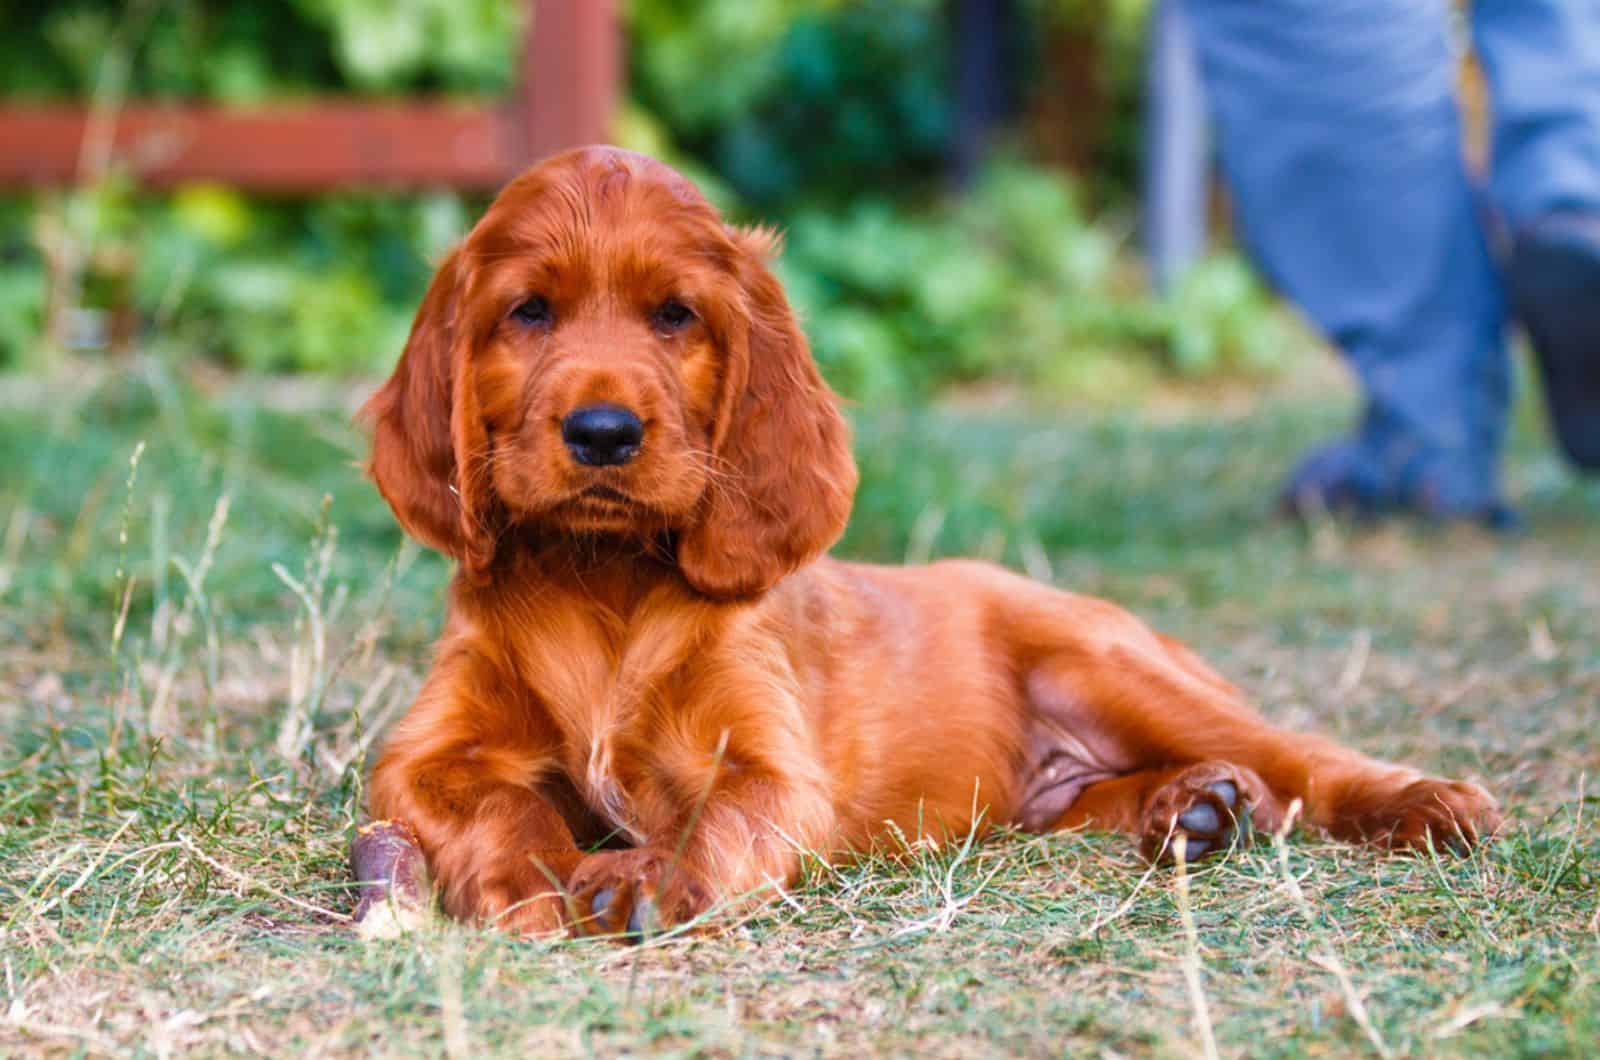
x=1450, y=814
x=633, y=894
x=513, y=902
x=1212, y=805
x=502, y=888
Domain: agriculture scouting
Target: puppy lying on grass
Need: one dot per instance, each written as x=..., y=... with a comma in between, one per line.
x=654, y=689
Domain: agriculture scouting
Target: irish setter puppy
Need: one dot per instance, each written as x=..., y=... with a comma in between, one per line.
x=654, y=689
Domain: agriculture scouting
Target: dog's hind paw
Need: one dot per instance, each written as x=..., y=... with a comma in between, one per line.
x=1212, y=806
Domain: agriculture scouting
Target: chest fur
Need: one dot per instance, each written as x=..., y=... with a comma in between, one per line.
x=611, y=684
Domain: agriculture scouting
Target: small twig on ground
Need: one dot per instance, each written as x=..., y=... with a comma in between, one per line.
x=1191, y=952
x=11, y=551
x=452, y=1014
x=1354, y=665
x=83, y=877
x=239, y=877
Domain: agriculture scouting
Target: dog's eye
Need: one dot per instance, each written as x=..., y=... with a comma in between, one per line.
x=672, y=315
x=535, y=312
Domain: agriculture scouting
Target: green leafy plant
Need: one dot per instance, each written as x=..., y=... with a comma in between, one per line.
x=810, y=97
x=1221, y=317
x=329, y=286
x=245, y=52
x=1013, y=282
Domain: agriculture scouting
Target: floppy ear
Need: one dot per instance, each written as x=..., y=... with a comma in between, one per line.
x=429, y=444
x=780, y=439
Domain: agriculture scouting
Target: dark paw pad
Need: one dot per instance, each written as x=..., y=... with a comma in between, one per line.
x=642, y=921
x=1208, y=812
x=1201, y=818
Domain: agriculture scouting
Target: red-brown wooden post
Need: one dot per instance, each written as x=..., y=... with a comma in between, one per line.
x=571, y=73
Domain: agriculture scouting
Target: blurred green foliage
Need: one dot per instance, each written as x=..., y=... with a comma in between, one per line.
x=327, y=284
x=830, y=117
x=810, y=97
x=1011, y=282
x=21, y=283
x=242, y=52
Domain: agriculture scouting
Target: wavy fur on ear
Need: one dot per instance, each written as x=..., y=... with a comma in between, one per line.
x=429, y=444
x=779, y=432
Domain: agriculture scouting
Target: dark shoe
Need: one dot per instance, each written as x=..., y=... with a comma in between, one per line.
x=1352, y=478
x=1555, y=290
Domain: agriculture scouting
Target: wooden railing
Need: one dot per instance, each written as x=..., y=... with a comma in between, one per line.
x=569, y=75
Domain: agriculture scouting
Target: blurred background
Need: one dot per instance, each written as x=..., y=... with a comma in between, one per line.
x=959, y=182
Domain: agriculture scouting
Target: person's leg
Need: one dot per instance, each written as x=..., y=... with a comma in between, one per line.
x=1542, y=59
x=1340, y=139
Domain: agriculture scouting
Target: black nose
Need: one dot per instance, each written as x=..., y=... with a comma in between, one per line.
x=602, y=435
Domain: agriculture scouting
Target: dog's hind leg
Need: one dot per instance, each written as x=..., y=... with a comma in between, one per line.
x=1129, y=730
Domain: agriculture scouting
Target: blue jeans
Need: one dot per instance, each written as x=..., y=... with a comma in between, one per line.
x=1339, y=136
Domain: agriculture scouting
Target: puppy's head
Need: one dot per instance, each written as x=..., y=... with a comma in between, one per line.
x=602, y=355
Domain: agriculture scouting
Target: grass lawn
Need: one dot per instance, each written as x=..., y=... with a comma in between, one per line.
x=192, y=668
